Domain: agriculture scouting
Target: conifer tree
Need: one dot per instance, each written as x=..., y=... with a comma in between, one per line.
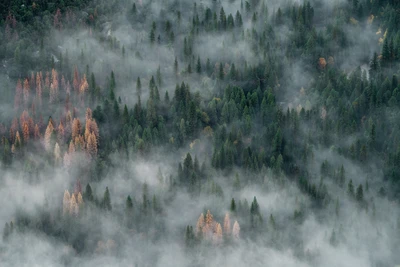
x=76, y=128
x=198, y=65
x=88, y=195
x=57, y=154
x=39, y=88
x=209, y=225
x=47, y=136
x=106, y=203
x=227, y=224
x=200, y=225
x=217, y=236
x=350, y=189
x=73, y=206
x=26, y=91
x=233, y=206
x=236, y=230
x=66, y=202
x=80, y=200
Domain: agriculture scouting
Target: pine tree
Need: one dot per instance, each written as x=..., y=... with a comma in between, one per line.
x=159, y=77
x=360, y=194
x=176, y=67
x=233, y=206
x=198, y=65
x=145, y=193
x=88, y=195
x=386, y=51
x=333, y=239
x=138, y=87
x=341, y=177
x=189, y=237
x=125, y=115
x=18, y=94
x=221, y=71
x=374, y=65
x=106, y=203
x=152, y=36
x=236, y=183
x=129, y=203
x=350, y=189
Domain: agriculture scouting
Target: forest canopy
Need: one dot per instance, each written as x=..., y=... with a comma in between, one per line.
x=216, y=132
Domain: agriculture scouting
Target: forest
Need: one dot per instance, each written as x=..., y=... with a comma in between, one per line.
x=207, y=132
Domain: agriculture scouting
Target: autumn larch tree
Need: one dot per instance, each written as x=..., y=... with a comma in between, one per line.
x=61, y=133
x=200, y=226
x=66, y=202
x=25, y=132
x=57, y=154
x=227, y=224
x=13, y=129
x=217, y=236
x=26, y=92
x=76, y=128
x=73, y=206
x=236, y=230
x=209, y=225
x=39, y=88
x=80, y=200
x=92, y=145
x=54, y=87
x=57, y=20
x=36, y=132
x=47, y=136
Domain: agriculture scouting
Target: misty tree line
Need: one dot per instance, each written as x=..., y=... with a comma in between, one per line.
x=253, y=135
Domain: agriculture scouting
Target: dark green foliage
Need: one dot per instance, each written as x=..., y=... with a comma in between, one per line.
x=88, y=194
x=106, y=202
x=233, y=206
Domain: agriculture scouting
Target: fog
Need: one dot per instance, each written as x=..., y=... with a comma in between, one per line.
x=316, y=222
